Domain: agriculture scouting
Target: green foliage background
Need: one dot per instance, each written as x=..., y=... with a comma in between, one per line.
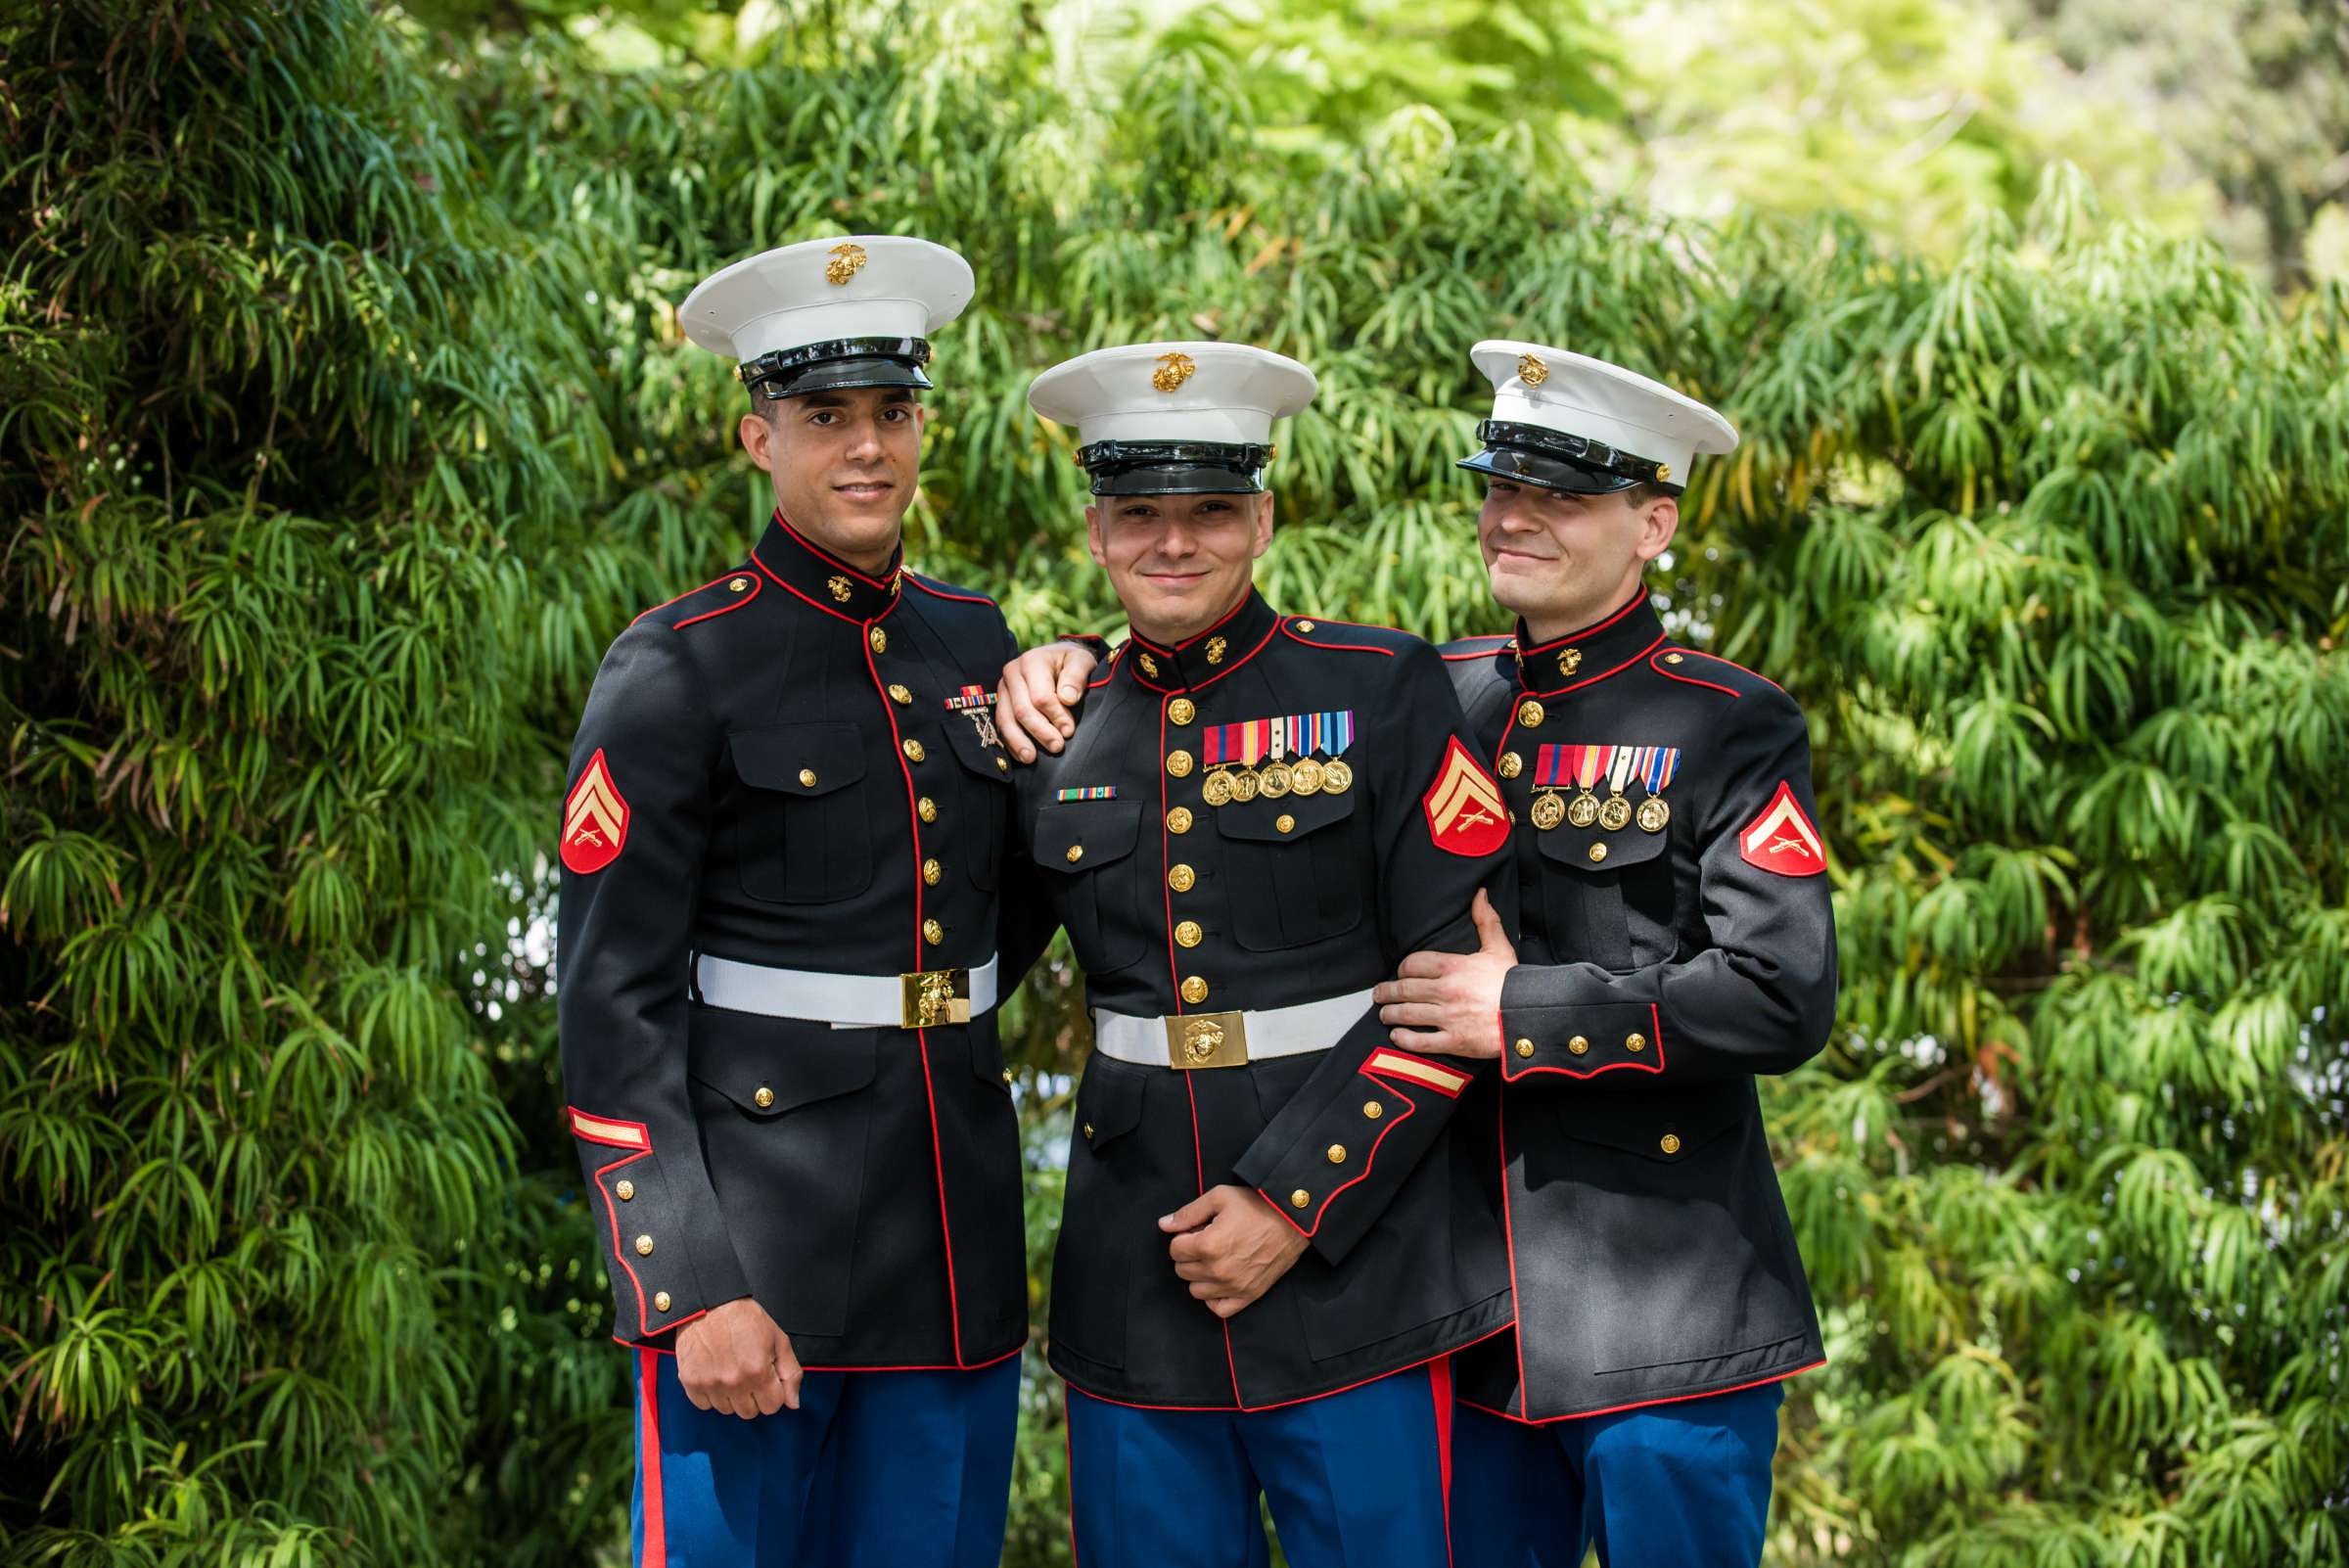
x=343, y=419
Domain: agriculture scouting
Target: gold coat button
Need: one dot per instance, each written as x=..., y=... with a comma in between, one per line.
x=1672, y=658
x=879, y=639
x=1188, y=934
x=1007, y=1075
x=1579, y=1045
x=928, y=808
x=1300, y=1198
x=1182, y=879
x=1076, y=853
x=1373, y=1110
x=659, y=1301
x=1529, y=713
x=623, y=1189
x=932, y=933
x=763, y=1098
x=1525, y=1048
x=738, y=584
x=1194, y=991
x=913, y=748
x=1179, y=765
x=1598, y=853
x=644, y=1246
x=899, y=695
x=1305, y=626
x=1337, y=1154
x=1088, y=1130
x=1669, y=1144
x=1511, y=764
x=1284, y=823
x=932, y=871
x=1634, y=1042
x=1179, y=820
x=806, y=778
x=1003, y=766
x=1181, y=710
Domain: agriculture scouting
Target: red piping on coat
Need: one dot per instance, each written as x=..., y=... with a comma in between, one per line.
x=1593, y=680
x=942, y=594
x=1636, y=1405
x=1655, y=1021
x=1657, y=664
x=1109, y=667
x=1500, y=643
x=1302, y=1399
x=648, y=1462
x=937, y=1166
x=1321, y=1209
x=1164, y=691
x=797, y=594
x=1596, y=626
x=829, y=559
x=1699, y=653
x=1335, y=647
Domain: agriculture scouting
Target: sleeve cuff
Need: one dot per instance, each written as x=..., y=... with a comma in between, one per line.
x=1565, y=1036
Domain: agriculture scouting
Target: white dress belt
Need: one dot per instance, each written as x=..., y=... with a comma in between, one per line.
x=847, y=1001
x=1190, y=1040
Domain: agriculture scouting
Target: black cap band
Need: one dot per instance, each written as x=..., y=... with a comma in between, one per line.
x=1535, y=454
x=835, y=365
x=1175, y=467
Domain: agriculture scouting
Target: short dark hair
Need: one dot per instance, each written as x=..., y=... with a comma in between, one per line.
x=1638, y=496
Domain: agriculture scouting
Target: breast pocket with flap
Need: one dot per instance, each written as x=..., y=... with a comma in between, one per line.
x=1090, y=848
x=1299, y=869
x=803, y=832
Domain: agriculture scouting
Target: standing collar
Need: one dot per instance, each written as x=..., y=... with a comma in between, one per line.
x=824, y=580
x=1593, y=653
x=1207, y=655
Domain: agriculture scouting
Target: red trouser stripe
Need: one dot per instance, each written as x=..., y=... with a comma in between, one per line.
x=648, y=1461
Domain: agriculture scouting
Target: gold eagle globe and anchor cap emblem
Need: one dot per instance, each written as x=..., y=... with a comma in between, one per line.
x=1173, y=369
x=1531, y=370
x=843, y=262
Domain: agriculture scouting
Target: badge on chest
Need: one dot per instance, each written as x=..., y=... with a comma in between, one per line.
x=1582, y=769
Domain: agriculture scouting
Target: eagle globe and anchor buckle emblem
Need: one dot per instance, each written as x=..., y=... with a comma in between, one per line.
x=930, y=999
x=1197, y=1040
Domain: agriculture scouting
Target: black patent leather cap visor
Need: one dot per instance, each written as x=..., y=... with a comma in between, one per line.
x=1175, y=467
x=1178, y=479
x=840, y=365
x=1549, y=472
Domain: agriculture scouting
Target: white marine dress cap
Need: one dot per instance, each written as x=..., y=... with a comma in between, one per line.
x=1568, y=422
x=1174, y=418
x=824, y=315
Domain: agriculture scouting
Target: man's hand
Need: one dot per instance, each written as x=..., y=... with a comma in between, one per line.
x=1231, y=1246
x=1450, y=1002
x=734, y=1358
x=1036, y=694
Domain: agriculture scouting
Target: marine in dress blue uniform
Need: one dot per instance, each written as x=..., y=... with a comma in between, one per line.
x=1253, y=823
x=1676, y=942
x=782, y=849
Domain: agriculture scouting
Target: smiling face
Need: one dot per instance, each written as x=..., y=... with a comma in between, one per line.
x=844, y=466
x=1564, y=561
x=1178, y=562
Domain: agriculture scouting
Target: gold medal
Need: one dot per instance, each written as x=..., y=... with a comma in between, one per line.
x=1549, y=809
x=1654, y=814
x=1337, y=779
x=1216, y=788
x=1306, y=777
x=1245, y=784
x=1616, y=814
x=1584, y=810
x=1277, y=781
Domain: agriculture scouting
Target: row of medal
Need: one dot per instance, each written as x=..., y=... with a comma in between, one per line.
x=1555, y=767
x=1231, y=754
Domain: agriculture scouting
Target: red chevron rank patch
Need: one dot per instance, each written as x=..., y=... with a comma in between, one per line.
x=1782, y=840
x=1465, y=814
x=595, y=819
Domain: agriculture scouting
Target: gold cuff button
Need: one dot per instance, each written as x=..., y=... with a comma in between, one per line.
x=1598, y=853
x=1337, y=1154
x=1511, y=764
x=623, y=1189
x=879, y=639
x=763, y=1098
x=1284, y=823
x=1182, y=879
x=928, y=808
x=913, y=748
x=899, y=695
x=932, y=871
x=1525, y=1048
x=644, y=1246
x=1179, y=765
x=1194, y=991
x=1579, y=1045
x=1003, y=766
x=932, y=933
x=1669, y=1144
x=660, y=1301
x=1373, y=1110
x=1300, y=1198
x=1179, y=820
x=1634, y=1042
x=806, y=778
x=1181, y=710
x=1076, y=853
x=1188, y=934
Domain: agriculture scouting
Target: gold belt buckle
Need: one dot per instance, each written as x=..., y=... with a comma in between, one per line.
x=931, y=998
x=1206, y=1040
